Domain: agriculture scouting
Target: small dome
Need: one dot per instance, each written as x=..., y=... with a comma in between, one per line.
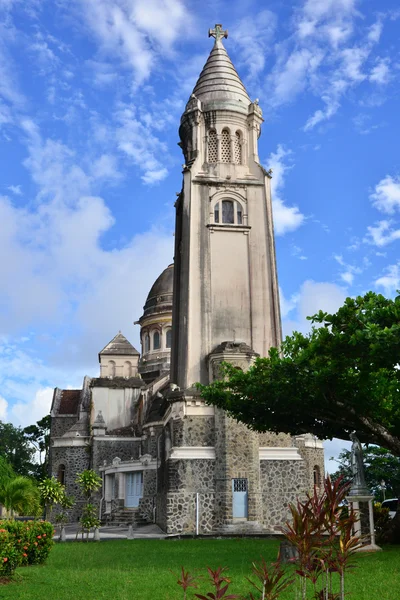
x=160, y=295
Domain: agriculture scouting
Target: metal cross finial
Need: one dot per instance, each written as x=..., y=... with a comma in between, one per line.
x=218, y=32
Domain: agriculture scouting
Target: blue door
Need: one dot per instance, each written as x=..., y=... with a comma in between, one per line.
x=239, y=493
x=134, y=489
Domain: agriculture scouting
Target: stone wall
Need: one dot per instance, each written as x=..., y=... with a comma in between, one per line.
x=185, y=479
x=237, y=456
x=107, y=450
x=313, y=457
x=194, y=431
x=61, y=424
x=275, y=440
x=282, y=482
x=75, y=459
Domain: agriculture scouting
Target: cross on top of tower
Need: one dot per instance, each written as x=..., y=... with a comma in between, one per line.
x=218, y=32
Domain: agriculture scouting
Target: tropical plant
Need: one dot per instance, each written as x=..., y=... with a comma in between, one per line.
x=322, y=533
x=20, y=495
x=89, y=482
x=273, y=580
x=52, y=492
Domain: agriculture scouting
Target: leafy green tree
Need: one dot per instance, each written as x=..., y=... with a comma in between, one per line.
x=16, y=448
x=20, y=494
x=39, y=436
x=380, y=465
x=6, y=471
x=343, y=376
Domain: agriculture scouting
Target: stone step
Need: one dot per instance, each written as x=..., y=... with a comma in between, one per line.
x=242, y=528
x=127, y=516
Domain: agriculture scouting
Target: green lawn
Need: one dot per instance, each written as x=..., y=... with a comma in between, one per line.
x=140, y=569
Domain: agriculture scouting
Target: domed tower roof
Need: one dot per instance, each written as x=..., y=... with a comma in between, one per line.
x=159, y=298
x=219, y=84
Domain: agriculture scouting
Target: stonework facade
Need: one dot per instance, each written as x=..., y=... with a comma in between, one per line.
x=164, y=455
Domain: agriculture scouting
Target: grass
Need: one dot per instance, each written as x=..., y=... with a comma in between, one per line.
x=140, y=570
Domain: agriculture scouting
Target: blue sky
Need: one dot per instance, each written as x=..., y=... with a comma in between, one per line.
x=91, y=93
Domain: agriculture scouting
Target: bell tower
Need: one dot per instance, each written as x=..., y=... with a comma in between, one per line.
x=225, y=284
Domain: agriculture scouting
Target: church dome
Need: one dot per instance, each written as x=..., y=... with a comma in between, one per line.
x=159, y=298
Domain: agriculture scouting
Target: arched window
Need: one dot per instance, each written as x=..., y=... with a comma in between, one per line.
x=317, y=476
x=168, y=338
x=147, y=343
x=111, y=368
x=226, y=147
x=212, y=146
x=238, y=148
x=156, y=341
x=61, y=474
x=127, y=369
x=229, y=212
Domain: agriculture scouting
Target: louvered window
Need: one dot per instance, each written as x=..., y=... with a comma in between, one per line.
x=212, y=146
x=238, y=148
x=225, y=147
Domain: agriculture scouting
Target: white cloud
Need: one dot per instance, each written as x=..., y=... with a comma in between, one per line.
x=27, y=413
x=137, y=141
x=386, y=196
x=134, y=31
x=390, y=282
x=380, y=73
x=254, y=48
x=382, y=234
x=311, y=297
x=286, y=218
x=349, y=271
x=3, y=409
x=15, y=189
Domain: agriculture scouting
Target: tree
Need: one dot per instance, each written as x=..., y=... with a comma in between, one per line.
x=380, y=465
x=6, y=471
x=21, y=495
x=16, y=449
x=343, y=376
x=39, y=436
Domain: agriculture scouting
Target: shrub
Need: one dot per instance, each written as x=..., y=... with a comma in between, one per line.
x=32, y=540
x=9, y=555
x=381, y=516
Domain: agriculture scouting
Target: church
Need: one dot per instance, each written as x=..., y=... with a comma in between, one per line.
x=163, y=454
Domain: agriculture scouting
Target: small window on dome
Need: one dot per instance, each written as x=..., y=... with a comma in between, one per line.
x=156, y=341
x=168, y=338
x=147, y=343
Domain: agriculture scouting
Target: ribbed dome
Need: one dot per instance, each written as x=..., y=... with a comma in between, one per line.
x=219, y=80
x=160, y=295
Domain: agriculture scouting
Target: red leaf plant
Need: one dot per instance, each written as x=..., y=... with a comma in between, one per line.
x=220, y=584
x=322, y=535
x=273, y=579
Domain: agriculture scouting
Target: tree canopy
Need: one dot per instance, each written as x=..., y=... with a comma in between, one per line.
x=341, y=377
x=380, y=466
x=21, y=447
